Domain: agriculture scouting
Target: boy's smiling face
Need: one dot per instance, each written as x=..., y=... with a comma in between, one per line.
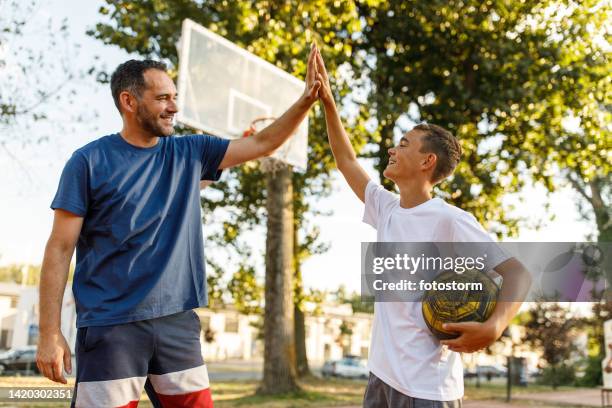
x=407, y=161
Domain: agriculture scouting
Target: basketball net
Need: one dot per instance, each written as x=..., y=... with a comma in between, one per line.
x=266, y=164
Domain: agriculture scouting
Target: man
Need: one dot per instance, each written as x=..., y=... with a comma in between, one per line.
x=408, y=366
x=130, y=203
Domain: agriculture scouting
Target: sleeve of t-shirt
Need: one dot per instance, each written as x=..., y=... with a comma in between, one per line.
x=212, y=150
x=377, y=201
x=467, y=229
x=73, y=190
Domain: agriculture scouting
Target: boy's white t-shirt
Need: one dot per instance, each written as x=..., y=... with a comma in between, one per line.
x=403, y=352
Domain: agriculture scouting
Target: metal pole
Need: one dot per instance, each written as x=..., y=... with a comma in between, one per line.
x=509, y=375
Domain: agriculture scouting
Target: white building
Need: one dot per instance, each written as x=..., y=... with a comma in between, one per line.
x=329, y=335
x=227, y=335
x=337, y=332
x=9, y=297
x=19, y=316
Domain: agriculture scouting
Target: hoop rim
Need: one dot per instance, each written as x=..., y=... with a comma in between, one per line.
x=251, y=130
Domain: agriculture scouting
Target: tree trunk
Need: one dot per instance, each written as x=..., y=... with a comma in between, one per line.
x=298, y=314
x=303, y=370
x=279, y=374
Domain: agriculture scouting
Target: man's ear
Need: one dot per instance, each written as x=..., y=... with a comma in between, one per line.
x=128, y=102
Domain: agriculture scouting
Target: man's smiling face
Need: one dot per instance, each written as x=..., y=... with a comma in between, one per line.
x=157, y=104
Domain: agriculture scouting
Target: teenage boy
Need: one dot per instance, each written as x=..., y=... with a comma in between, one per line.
x=408, y=366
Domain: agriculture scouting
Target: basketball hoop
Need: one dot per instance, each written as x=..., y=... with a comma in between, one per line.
x=267, y=164
x=216, y=93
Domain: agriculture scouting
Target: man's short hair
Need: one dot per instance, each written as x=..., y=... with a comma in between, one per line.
x=444, y=145
x=129, y=76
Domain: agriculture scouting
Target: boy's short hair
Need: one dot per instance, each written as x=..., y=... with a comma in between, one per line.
x=444, y=145
x=129, y=76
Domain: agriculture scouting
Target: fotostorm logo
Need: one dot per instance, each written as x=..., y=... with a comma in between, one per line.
x=412, y=264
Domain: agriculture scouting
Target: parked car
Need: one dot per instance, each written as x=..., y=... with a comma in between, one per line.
x=329, y=369
x=490, y=371
x=22, y=359
x=485, y=371
x=469, y=373
x=348, y=367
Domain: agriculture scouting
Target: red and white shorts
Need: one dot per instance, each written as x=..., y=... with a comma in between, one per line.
x=163, y=356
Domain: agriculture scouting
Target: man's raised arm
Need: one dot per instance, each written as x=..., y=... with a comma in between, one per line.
x=343, y=152
x=264, y=143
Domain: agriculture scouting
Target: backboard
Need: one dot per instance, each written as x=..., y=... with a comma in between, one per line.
x=223, y=88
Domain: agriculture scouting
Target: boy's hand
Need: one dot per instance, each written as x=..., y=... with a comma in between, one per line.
x=474, y=336
x=325, y=92
x=340, y=144
x=312, y=83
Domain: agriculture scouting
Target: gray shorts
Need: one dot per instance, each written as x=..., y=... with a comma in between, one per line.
x=380, y=395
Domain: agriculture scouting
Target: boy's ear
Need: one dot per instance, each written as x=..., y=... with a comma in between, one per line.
x=430, y=161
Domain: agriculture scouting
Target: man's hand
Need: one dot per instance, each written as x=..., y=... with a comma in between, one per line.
x=52, y=356
x=325, y=93
x=313, y=84
x=474, y=336
x=264, y=143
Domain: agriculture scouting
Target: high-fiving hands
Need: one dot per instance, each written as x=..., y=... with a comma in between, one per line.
x=312, y=83
x=317, y=79
x=325, y=93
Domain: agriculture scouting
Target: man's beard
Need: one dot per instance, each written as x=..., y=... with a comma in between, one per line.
x=149, y=123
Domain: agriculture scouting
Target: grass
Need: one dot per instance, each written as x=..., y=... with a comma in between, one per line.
x=316, y=392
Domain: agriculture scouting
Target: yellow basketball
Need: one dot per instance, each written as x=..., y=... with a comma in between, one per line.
x=453, y=306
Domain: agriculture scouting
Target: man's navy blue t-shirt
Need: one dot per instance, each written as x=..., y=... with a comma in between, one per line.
x=140, y=253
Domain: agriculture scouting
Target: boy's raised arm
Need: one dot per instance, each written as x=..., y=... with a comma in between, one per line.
x=343, y=152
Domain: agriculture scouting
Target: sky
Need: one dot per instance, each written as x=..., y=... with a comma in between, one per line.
x=29, y=173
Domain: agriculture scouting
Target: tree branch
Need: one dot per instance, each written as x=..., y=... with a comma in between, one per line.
x=597, y=200
x=579, y=188
x=44, y=97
